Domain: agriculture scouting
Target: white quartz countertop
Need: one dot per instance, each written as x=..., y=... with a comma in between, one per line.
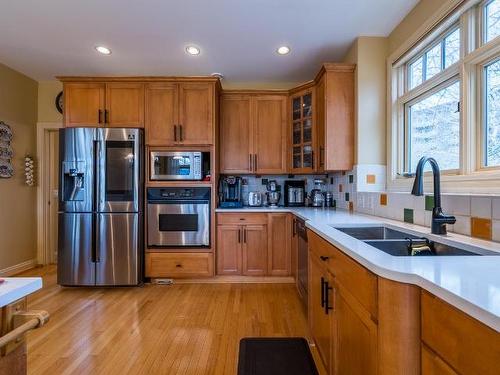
x=471, y=283
x=14, y=288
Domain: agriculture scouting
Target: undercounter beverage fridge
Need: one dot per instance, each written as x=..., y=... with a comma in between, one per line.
x=100, y=238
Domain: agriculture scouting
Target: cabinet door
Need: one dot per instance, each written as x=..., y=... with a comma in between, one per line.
x=433, y=365
x=355, y=348
x=279, y=255
x=84, y=104
x=229, y=240
x=125, y=105
x=235, y=135
x=303, y=132
x=270, y=137
x=196, y=118
x=255, y=250
x=161, y=114
x=319, y=320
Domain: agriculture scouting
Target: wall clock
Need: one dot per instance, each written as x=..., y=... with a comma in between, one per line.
x=60, y=102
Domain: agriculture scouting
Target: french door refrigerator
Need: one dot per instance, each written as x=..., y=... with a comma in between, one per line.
x=100, y=237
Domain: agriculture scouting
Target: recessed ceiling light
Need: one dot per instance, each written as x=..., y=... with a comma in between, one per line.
x=103, y=50
x=283, y=50
x=193, y=50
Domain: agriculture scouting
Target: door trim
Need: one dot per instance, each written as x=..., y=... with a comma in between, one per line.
x=42, y=253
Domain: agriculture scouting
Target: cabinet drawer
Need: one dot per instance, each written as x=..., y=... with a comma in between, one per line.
x=242, y=218
x=356, y=279
x=466, y=344
x=179, y=264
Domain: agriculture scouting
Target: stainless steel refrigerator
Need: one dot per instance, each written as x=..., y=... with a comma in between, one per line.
x=100, y=239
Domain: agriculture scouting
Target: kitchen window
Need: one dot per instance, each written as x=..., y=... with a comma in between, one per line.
x=445, y=93
x=433, y=127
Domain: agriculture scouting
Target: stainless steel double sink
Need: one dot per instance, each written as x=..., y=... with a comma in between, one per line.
x=400, y=243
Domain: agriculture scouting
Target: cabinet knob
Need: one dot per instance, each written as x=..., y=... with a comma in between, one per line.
x=324, y=258
x=178, y=265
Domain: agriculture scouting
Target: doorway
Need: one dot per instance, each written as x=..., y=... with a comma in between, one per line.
x=48, y=157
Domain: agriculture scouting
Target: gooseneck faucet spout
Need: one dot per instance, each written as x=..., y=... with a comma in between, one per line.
x=439, y=219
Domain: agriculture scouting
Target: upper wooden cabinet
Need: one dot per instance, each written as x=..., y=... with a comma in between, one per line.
x=322, y=121
x=180, y=114
x=235, y=134
x=196, y=117
x=84, y=104
x=125, y=105
x=161, y=113
x=253, y=133
x=113, y=104
x=174, y=110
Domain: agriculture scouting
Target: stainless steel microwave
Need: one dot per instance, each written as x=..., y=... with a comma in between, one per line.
x=169, y=165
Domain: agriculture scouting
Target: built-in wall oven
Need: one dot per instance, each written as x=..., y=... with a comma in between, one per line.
x=178, y=217
x=176, y=165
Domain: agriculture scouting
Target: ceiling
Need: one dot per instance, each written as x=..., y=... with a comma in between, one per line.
x=238, y=38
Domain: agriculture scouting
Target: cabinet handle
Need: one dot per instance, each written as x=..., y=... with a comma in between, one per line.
x=106, y=116
x=322, y=292
x=327, y=288
x=180, y=133
x=178, y=265
x=99, y=116
x=239, y=235
x=255, y=162
x=312, y=160
x=324, y=258
x=294, y=228
x=321, y=156
x=175, y=133
x=244, y=235
x=250, y=162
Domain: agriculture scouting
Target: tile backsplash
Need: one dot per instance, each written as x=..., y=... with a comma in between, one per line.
x=477, y=216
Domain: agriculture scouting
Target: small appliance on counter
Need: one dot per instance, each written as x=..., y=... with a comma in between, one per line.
x=255, y=199
x=318, y=193
x=230, y=192
x=273, y=194
x=294, y=193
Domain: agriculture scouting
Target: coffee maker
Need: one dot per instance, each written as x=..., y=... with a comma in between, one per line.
x=295, y=193
x=230, y=192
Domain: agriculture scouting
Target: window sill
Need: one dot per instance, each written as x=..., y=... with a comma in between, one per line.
x=477, y=183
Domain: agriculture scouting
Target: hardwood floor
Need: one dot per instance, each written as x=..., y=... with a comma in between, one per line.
x=157, y=329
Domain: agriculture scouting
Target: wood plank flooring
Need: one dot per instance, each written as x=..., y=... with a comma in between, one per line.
x=156, y=329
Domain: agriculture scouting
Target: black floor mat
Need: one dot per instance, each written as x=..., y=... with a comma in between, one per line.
x=275, y=356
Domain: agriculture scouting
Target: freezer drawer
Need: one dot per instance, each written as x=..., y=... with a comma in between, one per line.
x=75, y=255
x=117, y=249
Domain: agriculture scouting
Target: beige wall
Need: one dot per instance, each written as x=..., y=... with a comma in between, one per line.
x=47, y=92
x=413, y=20
x=369, y=54
x=18, y=108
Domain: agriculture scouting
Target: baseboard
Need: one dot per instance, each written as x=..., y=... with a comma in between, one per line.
x=239, y=280
x=18, y=268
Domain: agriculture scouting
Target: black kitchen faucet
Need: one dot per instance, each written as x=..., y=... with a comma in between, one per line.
x=439, y=219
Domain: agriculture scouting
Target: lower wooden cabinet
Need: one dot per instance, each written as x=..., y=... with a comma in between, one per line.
x=320, y=316
x=178, y=265
x=254, y=250
x=355, y=344
x=254, y=244
x=433, y=365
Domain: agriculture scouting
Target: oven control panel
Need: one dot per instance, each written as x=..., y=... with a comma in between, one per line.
x=177, y=193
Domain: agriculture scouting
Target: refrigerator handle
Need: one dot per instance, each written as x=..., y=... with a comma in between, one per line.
x=96, y=229
x=97, y=170
x=94, y=239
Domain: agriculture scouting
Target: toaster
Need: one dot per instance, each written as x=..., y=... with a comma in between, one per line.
x=255, y=199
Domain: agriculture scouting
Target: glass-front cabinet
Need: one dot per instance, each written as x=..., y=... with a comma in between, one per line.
x=303, y=131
